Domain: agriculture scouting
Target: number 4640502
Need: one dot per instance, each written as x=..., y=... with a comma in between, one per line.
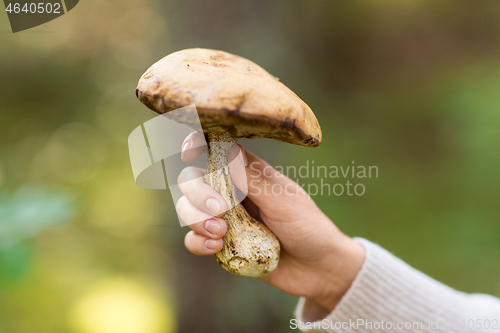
x=33, y=8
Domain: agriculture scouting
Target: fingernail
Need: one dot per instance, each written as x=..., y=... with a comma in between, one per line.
x=213, y=205
x=211, y=244
x=212, y=227
x=186, y=146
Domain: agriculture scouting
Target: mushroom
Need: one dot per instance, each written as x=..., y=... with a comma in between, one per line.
x=234, y=98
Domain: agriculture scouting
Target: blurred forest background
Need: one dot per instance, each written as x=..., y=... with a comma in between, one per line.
x=412, y=87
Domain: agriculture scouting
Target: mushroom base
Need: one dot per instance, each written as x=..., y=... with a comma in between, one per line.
x=250, y=247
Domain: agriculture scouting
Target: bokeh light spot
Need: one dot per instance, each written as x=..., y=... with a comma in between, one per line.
x=124, y=306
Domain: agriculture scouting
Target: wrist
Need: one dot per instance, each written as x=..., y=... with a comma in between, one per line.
x=340, y=270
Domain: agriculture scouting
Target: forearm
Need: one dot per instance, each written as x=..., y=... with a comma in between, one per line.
x=387, y=290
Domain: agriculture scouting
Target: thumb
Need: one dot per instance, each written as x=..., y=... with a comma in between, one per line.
x=264, y=185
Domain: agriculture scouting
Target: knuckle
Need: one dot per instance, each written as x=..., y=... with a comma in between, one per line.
x=181, y=206
x=185, y=175
x=199, y=192
x=180, y=203
x=190, y=217
x=181, y=176
x=188, y=240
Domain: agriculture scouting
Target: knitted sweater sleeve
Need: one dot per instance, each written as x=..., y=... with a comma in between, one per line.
x=388, y=295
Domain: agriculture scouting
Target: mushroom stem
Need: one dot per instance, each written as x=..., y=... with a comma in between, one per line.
x=250, y=248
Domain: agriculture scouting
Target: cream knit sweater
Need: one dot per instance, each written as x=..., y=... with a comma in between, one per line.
x=390, y=296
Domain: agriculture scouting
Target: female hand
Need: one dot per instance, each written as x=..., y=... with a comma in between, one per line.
x=317, y=260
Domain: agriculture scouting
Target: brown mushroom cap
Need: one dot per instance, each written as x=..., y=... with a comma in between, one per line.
x=231, y=94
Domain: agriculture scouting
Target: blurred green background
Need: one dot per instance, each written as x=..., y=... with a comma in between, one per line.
x=412, y=87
